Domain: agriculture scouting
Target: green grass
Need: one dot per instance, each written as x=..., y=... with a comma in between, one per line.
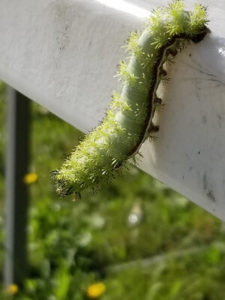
x=175, y=252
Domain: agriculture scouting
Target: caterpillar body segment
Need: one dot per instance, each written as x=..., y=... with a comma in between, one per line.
x=128, y=121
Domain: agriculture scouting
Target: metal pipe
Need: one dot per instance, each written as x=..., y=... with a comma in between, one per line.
x=17, y=160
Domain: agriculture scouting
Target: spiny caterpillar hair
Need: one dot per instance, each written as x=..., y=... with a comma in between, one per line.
x=128, y=121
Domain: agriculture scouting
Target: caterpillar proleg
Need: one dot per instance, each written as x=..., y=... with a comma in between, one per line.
x=128, y=121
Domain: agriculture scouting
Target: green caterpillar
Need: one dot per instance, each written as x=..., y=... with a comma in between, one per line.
x=128, y=121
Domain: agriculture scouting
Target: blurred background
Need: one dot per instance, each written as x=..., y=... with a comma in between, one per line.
x=134, y=239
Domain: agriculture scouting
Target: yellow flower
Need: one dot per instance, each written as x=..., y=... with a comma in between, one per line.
x=95, y=290
x=30, y=178
x=12, y=289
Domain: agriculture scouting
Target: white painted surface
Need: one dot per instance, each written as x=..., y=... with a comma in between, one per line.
x=64, y=54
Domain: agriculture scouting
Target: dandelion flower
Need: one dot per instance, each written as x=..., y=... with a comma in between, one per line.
x=30, y=178
x=95, y=290
x=12, y=289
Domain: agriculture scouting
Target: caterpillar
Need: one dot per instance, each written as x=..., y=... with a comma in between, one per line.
x=128, y=121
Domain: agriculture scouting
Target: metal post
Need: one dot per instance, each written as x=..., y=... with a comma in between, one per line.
x=17, y=160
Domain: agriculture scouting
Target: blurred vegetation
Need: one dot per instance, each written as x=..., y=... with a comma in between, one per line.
x=135, y=239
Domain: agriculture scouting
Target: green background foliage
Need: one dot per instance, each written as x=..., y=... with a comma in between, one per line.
x=175, y=250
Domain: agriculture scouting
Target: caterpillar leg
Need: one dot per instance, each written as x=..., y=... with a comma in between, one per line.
x=153, y=128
